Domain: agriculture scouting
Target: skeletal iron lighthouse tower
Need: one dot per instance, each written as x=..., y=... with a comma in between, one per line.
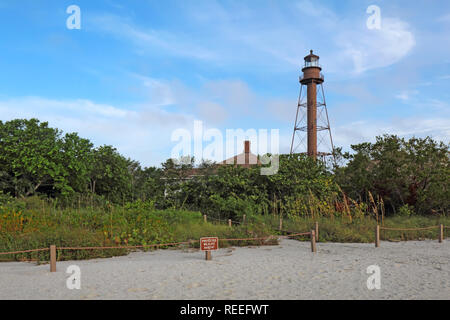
x=311, y=122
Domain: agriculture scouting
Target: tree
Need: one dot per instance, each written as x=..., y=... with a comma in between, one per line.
x=110, y=176
x=31, y=157
x=413, y=172
x=78, y=161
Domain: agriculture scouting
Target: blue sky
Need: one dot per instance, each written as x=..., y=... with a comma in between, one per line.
x=137, y=70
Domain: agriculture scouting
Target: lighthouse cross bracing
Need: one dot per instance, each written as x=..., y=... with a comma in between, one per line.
x=312, y=132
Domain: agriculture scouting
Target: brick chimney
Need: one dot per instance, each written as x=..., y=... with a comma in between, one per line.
x=246, y=146
x=247, y=152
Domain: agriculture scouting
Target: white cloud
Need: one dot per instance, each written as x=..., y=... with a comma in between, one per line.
x=350, y=133
x=157, y=92
x=372, y=49
x=80, y=106
x=363, y=131
x=359, y=49
x=236, y=35
x=149, y=39
x=142, y=133
x=212, y=112
x=234, y=94
x=406, y=95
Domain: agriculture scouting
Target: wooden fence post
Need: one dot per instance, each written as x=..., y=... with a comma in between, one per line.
x=377, y=236
x=441, y=233
x=208, y=255
x=52, y=258
x=317, y=231
x=243, y=218
x=229, y=223
x=313, y=241
x=205, y=219
x=281, y=224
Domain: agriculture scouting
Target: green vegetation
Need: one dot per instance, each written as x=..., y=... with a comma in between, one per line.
x=35, y=223
x=363, y=230
x=59, y=189
x=413, y=173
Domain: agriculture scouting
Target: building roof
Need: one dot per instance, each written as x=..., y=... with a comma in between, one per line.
x=244, y=159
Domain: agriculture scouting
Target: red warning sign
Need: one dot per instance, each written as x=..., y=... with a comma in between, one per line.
x=209, y=244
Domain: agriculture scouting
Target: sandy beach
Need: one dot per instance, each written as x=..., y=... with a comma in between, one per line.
x=409, y=270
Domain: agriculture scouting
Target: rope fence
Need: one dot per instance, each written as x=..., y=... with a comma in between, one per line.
x=128, y=247
x=233, y=222
x=441, y=228
x=280, y=228
x=53, y=249
x=155, y=245
x=25, y=251
x=313, y=234
x=229, y=221
x=270, y=237
x=409, y=229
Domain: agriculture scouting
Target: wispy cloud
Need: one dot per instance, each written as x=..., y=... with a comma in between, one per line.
x=365, y=49
x=406, y=95
x=444, y=18
x=157, y=92
x=244, y=39
x=372, y=49
x=327, y=17
x=151, y=39
x=362, y=131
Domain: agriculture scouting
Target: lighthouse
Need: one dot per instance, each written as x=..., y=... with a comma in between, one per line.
x=307, y=119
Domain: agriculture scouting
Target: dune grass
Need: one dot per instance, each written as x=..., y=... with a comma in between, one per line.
x=33, y=228
x=37, y=225
x=362, y=230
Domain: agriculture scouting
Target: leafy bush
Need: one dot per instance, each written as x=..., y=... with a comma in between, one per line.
x=405, y=210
